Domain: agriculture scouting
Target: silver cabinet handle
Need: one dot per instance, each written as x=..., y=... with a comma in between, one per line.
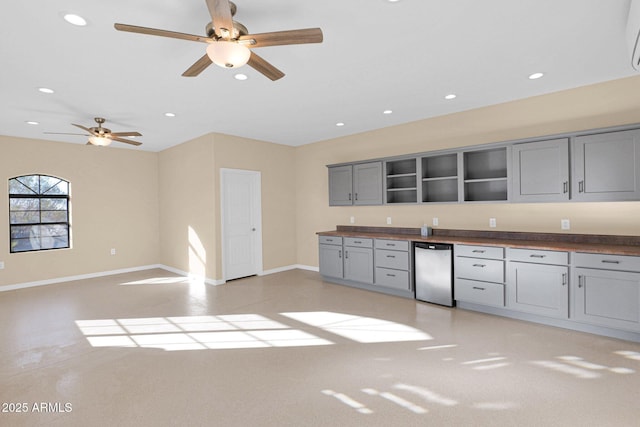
x=478, y=288
x=357, y=242
x=349, y=196
x=356, y=196
x=253, y=229
x=346, y=254
x=610, y=261
x=564, y=279
x=340, y=253
x=565, y=186
x=478, y=251
x=581, y=187
x=479, y=265
x=580, y=279
x=536, y=256
x=391, y=256
x=390, y=244
x=391, y=275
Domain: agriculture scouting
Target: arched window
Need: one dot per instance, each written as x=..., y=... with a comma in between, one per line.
x=38, y=213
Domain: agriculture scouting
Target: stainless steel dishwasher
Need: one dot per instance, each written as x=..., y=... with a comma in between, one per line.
x=434, y=273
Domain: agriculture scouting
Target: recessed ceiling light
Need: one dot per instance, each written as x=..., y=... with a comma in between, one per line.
x=240, y=77
x=31, y=122
x=535, y=76
x=75, y=19
x=45, y=90
x=451, y=96
x=170, y=114
x=339, y=124
x=387, y=112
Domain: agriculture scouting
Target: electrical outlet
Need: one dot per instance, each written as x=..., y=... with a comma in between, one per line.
x=389, y=220
x=1, y=265
x=492, y=222
x=113, y=251
x=565, y=224
x=352, y=220
x=434, y=222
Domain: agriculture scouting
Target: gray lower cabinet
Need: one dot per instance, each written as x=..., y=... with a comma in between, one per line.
x=358, y=184
x=534, y=285
x=358, y=264
x=393, y=264
x=330, y=254
x=479, y=274
x=541, y=171
x=609, y=293
x=606, y=166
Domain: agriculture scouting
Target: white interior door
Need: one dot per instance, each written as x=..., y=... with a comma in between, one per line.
x=241, y=223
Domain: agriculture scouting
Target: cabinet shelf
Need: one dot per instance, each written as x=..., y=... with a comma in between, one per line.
x=401, y=175
x=440, y=178
x=402, y=189
x=470, y=181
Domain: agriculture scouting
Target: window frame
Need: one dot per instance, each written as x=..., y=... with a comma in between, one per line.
x=39, y=195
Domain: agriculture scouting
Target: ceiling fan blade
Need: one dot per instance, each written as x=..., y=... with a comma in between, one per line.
x=221, y=17
x=161, y=33
x=198, y=66
x=64, y=133
x=279, y=38
x=264, y=67
x=126, y=141
x=126, y=134
x=85, y=129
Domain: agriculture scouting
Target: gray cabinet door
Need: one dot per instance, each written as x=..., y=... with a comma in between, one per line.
x=538, y=289
x=541, y=171
x=606, y=298
x=606, y=166
x=341, y=185
x=358, y=264
x=331, y=260
x=367, y=183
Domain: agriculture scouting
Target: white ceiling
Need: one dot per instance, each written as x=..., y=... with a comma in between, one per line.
x=403, y=56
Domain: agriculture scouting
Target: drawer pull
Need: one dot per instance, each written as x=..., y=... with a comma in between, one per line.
x=340, y=253
x=536, y=256
x=478, y=251
x=391, y=256
x=357, y=242
x=391, y=244
x=610, y=261
x=346, y=254
x=564, y=279
x=580, y=279
x=479, y=265
x=479, y=288
x=391, y=275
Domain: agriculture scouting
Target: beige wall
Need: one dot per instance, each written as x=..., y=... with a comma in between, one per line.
x=607, y=104
x=114, y=204
x=190, y=191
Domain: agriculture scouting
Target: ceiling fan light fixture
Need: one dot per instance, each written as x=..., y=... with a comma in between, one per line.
x=228, y=54
x=101, y=141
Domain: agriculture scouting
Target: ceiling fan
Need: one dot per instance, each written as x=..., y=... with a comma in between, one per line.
x=101, y=136
x=229, y=41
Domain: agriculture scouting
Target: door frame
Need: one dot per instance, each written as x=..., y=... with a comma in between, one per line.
x=256, y=215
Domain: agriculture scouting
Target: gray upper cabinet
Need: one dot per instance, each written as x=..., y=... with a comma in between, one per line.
x=401, y=181
x=606, y=166
x=358, y=184
x=541, y=171
x=485, y=174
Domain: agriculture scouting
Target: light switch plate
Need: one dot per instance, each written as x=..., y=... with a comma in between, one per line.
x=389, y=220
x=492, y=222
x=1, y=265
x=565, y=224
x=113, y=251
x=434, y=222
x=352, y=220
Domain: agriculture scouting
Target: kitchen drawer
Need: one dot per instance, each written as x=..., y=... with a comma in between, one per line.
x=492, y=252
x=606, y=262
x=538, y=256
x=358, y=242
x=486, y=270
x=392, y=278
x=392, y=259
x=394, y=245
x=479, y=292
x=330, y=240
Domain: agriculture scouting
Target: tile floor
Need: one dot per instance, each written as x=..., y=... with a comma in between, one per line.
x=150, y=349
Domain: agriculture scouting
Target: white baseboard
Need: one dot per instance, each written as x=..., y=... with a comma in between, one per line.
x=141, y=268
x=287, y=268
x=78, y=277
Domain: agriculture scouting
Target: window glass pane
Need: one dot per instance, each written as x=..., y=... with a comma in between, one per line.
x=28, y=204
x=53, y=204
x=16, y=187
x=53, y=216
x=52, y=185
x=31, y=181
x=28, y=217
x=25, y=238
x=62, y=187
